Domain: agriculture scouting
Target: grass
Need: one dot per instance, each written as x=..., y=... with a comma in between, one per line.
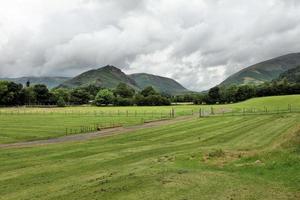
x=19, y=124
x=238, y=157
x=37, y=125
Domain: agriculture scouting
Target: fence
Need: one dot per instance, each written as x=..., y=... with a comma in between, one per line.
x=79, y=121
x=212, y=111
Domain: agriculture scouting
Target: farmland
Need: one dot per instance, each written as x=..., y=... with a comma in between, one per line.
x=230, y=157
x=27, y=124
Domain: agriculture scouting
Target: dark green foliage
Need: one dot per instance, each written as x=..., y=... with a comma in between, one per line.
x=235, y=93
x=104, y=97
x=29, y=97
x=151, y=100
x=10, y=93
x=124, y=91
x=42, y=94
x=245, y=92
x=61, y=93
x=120, y=101
x=148, y=91
x=61, y=102
x=214, y=95
x=92, y=90
x=79, y=96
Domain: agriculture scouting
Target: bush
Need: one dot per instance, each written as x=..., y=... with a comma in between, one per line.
x=61, y=102
x=119, y=101
x=104, y=97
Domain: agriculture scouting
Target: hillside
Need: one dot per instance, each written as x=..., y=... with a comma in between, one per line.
x=108, y=77
x=291, y=75
x=51, y=82
x=264, y=71
x=161, y=84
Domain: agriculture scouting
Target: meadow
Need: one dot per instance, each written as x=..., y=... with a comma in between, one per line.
x=18, y=124
x=234, y=157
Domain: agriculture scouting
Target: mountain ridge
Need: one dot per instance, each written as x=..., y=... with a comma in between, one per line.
x=110, y=76
x=50, y=81
x=264, y=71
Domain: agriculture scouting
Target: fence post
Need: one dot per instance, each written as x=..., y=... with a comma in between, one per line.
x=212, y=110
x=200, y=113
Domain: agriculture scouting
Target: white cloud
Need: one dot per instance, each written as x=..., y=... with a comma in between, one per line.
x=199, y=42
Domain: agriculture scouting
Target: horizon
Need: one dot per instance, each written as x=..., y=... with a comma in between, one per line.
x=199, y=44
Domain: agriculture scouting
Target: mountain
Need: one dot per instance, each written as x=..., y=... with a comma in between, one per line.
x=264, y=71
x=161, y=84
x=51, y=82
x=107, y=77
x=110, y=76
x=291, y=75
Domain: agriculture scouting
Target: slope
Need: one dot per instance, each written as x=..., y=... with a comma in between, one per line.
x=264, y=71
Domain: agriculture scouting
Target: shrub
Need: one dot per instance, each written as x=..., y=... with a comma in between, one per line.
x=61, y=102
x=119, y=101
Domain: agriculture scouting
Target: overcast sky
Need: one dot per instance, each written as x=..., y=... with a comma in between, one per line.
x=196, y=42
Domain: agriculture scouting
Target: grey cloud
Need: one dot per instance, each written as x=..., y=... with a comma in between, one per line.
x=198, y=43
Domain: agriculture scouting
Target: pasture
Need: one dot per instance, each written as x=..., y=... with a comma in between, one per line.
x=234, y=157
x=19, y=124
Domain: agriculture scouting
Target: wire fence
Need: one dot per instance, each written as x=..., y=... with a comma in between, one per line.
x=73, y=122
x=212, y=111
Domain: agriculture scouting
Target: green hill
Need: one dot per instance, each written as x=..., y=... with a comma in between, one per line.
x=51, y=82
x=264, y=71
x=161, y=84
x=108, y=77
x=291, y=75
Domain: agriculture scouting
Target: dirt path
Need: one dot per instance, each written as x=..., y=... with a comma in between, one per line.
x=102, y=133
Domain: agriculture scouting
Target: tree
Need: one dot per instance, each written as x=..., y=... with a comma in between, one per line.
x=148, y=91
x=92, y=90
x=61, y=102
x=10, y=93
x=79, y=96
x=41, y=94
x=61, y=92
x=29, y=96
x=105, y=97
x=214, y=95
x=244, y=92
x=124, y=91
x=120, y=101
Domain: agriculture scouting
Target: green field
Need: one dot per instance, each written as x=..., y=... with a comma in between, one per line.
x=231, y=157
x=26, y=124
x=240, y=157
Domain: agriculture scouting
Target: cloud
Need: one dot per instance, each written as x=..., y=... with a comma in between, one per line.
x=199, y=42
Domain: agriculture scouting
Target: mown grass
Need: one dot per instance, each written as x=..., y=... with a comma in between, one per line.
x=34, y=126
x=239, y=157
x=25, y=124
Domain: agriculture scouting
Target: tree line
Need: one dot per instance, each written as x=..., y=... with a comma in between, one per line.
x=13, y=94
x=234, y=93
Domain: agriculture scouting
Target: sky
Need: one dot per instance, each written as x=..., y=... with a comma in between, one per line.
x=196, y=42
